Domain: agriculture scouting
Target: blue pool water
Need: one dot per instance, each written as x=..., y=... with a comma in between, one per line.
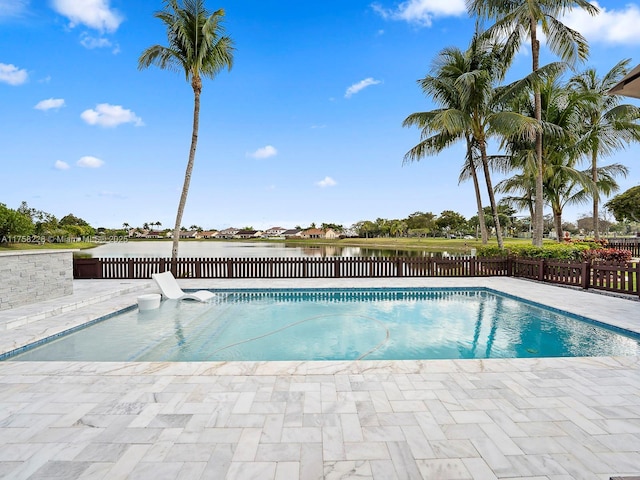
x=371, y=324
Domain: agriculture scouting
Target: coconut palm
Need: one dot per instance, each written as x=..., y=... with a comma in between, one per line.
x=518, y=20
x=197, y=46
x=609, y=126
x=563, y=182
x=464, y=84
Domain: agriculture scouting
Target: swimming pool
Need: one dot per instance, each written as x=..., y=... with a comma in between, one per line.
x=339, y=324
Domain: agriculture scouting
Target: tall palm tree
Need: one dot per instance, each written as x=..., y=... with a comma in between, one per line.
x=609, y=126
x=518, y=20
x=197, y=46
x=564, y=145
x=464, y=84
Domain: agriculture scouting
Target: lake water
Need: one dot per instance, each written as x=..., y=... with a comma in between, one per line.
x=216, y=249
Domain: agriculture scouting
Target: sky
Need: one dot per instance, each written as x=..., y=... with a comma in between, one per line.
x=306, y=127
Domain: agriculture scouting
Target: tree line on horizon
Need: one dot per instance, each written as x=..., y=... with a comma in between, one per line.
x=29, y=224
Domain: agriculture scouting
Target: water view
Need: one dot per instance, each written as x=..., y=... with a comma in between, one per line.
x=216, y=249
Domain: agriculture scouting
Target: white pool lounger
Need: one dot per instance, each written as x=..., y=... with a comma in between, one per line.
x=170, y=289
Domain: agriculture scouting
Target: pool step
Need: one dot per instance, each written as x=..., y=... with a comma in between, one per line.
x=85, y=293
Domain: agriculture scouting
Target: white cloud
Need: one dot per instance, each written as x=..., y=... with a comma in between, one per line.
x=422, y=12
x=50, y=103
x=264, y=152
x=89, y=42
x=12, y=75
x=95, y=14
x=89, y=162
x=326, y=182
x=106, y=115
x=12, y=8
x=60, y=165
x=618, y=27
x=356, y=87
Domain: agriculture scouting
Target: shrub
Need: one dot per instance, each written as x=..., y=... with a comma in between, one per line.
x=559, y=251
x=607, y=255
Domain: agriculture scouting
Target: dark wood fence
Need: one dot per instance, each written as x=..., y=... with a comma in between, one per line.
x=631, y=244
x=620, y=278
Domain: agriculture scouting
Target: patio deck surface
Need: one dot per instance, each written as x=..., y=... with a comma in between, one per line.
x=558, y=418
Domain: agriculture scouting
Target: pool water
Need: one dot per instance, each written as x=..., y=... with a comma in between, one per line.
x=351, y=324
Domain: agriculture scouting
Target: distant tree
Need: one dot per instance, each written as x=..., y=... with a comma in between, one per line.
x=451, y=221
x=626, y=206
x=398, y=228
x=420, y=220
x=13, y=222
x=71, y=219
x=587, y=225
x=333, y=226
x=366, y=229
x=198, y=46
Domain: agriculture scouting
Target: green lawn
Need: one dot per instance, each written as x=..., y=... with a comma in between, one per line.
x=6, y=247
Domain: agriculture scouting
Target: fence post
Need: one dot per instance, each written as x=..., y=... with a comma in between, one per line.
x=336, y=267
x=541, y=266
x=472, y=266
x=130, y=268
x=399, y=272
x=586, y=275
x=229, y=268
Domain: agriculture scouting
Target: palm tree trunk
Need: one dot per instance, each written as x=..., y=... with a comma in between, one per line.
x=483, y=224
x=476, y=186
x=197, y=88
x=538, y=224
x=492, y=198
x=596, y=196
x=557, y=220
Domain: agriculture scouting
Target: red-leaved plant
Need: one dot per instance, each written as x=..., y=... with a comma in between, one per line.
x=607, y=255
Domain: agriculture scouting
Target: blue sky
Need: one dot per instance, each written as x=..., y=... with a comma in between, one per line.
x=307, y=126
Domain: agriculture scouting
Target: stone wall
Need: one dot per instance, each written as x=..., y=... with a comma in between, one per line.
x=32, y=276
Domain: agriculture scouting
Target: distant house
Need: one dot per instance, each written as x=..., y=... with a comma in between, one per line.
x=312, y=233
x=247, y=234
x=228, y=232
x=188, y=233
x=331, y=234
x=274, y=232
x=294, y=232
x=207, y=234
x=153, y=234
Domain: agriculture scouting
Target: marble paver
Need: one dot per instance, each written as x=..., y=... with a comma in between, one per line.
x=564, y=418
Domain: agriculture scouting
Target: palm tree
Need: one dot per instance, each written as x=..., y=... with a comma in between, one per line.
x=464, y=84
x=563, y=124
x=609, y=126
x=518, y=20
x=198, y=46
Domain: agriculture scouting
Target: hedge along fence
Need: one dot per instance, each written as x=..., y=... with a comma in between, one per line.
x=618, y=277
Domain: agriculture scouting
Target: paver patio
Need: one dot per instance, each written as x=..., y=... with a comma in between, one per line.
x=560, y=418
